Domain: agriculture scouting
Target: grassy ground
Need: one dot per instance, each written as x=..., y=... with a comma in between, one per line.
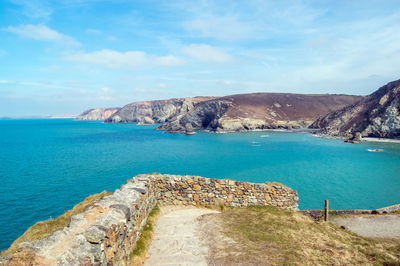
x=138, y=255
x=43, y=229
x=267, y=235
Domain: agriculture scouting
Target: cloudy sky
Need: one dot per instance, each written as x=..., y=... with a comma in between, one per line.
x=64, y=56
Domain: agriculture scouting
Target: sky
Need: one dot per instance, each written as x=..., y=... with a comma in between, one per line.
x=66, y=56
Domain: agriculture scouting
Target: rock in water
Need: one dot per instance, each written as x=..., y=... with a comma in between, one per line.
x=376, y=115
x=356, y=138
x=189, y=129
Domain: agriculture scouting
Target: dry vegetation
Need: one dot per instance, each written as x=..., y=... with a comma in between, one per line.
x=269, y=236
x=139, y=254
x=43, y=229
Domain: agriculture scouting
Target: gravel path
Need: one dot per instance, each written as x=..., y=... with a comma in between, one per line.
x=386, y=226
x=177, y=238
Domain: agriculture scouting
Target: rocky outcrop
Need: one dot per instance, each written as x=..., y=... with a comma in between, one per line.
x=106, y=233
x=204, y=116
x=255, y=111
x=97, y=114
x=377, y=115
x=150, y=112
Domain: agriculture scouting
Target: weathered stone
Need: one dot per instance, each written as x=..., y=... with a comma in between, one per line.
x=196, y=197
x=196, y=187
x=94, y=235
x=124, y=209
x=139, y=189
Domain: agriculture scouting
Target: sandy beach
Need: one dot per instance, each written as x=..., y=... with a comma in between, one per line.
x=381, y=140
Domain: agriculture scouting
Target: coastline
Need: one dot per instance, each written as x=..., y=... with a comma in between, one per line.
x=370, y=139
x=364, y=139
x=312, y=131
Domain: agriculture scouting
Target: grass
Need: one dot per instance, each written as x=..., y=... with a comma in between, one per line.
x=43, y=229
x=138, y=255
x=278, y=237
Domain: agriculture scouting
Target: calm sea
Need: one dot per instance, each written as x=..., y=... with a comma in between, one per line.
x=47, y=166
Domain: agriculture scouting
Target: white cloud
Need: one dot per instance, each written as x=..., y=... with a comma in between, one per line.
x=105, y=89
x=219, y=27
x=40, y=32
x=106, y=94
x=169, y=60
x=34, y=8
x=207, y=53
x=111, y=38
x=246, y=20
x=93, y=31
x=115, y=59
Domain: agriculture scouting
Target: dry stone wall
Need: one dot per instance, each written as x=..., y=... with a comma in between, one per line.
x=196, y=190
x=106, y=233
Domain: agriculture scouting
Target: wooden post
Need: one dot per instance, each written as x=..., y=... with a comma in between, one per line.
x=326, y=210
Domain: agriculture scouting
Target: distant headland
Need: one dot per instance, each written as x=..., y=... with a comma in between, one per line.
x=342, y=116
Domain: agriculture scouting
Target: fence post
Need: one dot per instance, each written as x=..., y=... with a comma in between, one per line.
x=326, y=210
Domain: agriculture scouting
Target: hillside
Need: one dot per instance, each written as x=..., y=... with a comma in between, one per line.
x=254, y=111
x=150, y=112
x=259, y=234
x=97, y=114
x=377, y=115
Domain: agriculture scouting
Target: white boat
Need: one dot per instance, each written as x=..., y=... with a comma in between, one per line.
x=375, y=150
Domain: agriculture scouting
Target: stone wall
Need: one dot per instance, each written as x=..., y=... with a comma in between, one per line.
x=196, y=190
x=106, y=233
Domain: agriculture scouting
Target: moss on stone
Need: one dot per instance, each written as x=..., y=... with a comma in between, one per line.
x=139, y=253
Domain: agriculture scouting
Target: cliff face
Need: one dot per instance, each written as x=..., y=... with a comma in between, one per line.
x=257, y=111
x=151, y=112
x=377, y=115
x=97, y=114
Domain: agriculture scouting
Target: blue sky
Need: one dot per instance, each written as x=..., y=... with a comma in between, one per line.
x=65, y=56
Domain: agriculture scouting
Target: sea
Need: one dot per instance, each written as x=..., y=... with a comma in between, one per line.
x=49, y=165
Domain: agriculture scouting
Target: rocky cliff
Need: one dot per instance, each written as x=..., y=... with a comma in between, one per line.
x=97, y=114
x=377, y=115
x=254, y=111
x=151, y=112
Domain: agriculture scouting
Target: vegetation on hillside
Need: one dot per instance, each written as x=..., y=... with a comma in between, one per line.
x=43, y=229
x=267, y=235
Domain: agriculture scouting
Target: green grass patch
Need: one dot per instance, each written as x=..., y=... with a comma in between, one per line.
x=43, y=229
x=280, y=237
x=139, y=253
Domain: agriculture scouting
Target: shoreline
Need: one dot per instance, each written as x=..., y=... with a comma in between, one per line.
x=364, y=139
x=384, y=140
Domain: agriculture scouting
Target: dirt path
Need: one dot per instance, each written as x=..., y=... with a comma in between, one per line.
x=385, y=226
x=177, y=238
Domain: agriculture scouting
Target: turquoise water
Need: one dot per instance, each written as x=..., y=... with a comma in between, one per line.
x=48, y=166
